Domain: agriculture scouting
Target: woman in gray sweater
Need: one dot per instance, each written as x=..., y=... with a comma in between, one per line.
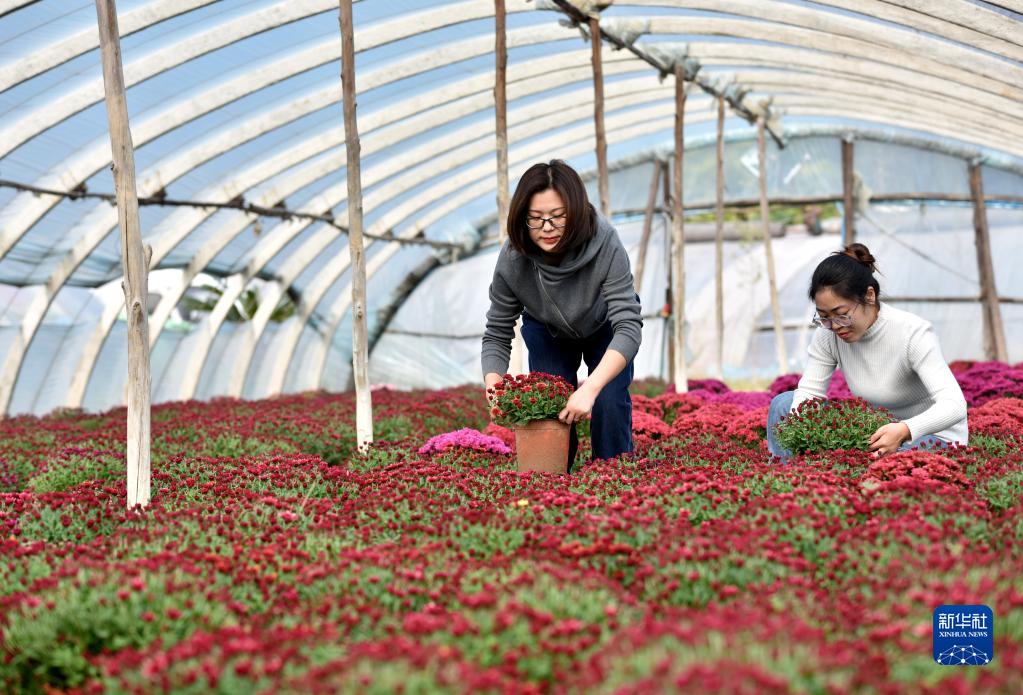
x=566, y=272
x=890, y=358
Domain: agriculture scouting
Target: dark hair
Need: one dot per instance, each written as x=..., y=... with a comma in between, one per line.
x=581, y=218
x=848, y=274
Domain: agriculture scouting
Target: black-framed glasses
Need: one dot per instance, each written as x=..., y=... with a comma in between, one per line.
x=840, y=321
x=536, y=222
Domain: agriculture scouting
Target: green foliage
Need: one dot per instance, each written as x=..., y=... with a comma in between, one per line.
x=376, y=456
x=819, y=425
x=67, y=469
x=51, y=647
x=392, y=429
x=1003, y=492
x=335, y=446
x=992, y=446
x=234, y=446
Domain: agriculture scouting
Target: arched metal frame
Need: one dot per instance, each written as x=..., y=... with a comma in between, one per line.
x=818, y=62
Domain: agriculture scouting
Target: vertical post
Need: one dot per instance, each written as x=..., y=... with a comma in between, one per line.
x=598, y=116
x=765, y=222
x=848, y=202
x=134, y=258
x=669, y=330
x=995, y=347
x=360, y=334
x=678, y=247
x=501, y=116
x=501, y=121
x=648, y=225
x=719, y=243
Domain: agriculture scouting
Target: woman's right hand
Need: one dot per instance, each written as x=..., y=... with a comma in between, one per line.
x=490, y=379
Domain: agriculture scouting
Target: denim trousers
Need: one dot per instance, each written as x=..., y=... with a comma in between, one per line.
x=782, y=404
x=611, y=418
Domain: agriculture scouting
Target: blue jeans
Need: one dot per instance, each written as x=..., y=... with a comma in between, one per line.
x=611, y=418
x=782, y=404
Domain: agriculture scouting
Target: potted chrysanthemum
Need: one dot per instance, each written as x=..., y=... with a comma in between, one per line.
x=529, y=404
x=822, y=425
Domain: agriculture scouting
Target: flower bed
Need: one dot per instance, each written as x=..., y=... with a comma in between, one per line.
x=276, y=557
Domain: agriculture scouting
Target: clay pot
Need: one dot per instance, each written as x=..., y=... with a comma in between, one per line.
x=542, y=445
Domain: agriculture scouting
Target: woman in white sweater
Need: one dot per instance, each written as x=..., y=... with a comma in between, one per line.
x=889, y=357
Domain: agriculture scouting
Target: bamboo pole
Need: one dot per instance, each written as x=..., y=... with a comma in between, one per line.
x=678, y=249
x=772, y=283
x=994, y=332
x=848, y=202
x=360, y=334
x=719, y=244
x=598, y=116
x=648, y=225
x=134, y=259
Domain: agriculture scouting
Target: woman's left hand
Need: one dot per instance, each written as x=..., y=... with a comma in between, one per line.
x=579, y=406
x=889, y=438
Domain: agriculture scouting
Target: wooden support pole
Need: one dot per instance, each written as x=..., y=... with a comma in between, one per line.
x=501, y=121
x=648, y=225
x=995, y=347
x=719, y=244
x=134, y=258
x=501, y=116
x=598, y=117
x=772, y=282
x=360, y=334
x=678, y=236
x=848, y=201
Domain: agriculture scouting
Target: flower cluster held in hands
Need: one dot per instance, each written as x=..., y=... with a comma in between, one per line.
x=822, y=425
x=516, y=400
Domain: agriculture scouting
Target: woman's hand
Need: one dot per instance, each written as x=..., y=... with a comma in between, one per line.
x=491, y=379
x=579, y=405
x=889, y=438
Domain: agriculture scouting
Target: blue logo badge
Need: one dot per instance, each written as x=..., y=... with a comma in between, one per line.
x=964, y=635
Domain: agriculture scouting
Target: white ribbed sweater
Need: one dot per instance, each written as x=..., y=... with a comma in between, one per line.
x=898, y=365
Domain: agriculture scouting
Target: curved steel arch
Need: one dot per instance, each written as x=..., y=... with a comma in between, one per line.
x=773, y=15
x=224, y=34
x=16, y=228
x=81, y=42
x=13, y=229
x=836, y=43
x=735, y=55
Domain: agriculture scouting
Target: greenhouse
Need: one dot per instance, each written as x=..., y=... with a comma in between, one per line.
x=250, y=251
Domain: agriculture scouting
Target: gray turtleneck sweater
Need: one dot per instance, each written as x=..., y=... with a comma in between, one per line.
x=897, y=365
x=592, y=284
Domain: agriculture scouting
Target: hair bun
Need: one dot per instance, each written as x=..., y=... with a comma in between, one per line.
x=861, y=254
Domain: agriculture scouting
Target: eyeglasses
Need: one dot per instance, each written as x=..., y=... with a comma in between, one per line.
x=840, y=321
x=557, y=222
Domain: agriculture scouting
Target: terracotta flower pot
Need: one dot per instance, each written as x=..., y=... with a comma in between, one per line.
x=542, y=445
